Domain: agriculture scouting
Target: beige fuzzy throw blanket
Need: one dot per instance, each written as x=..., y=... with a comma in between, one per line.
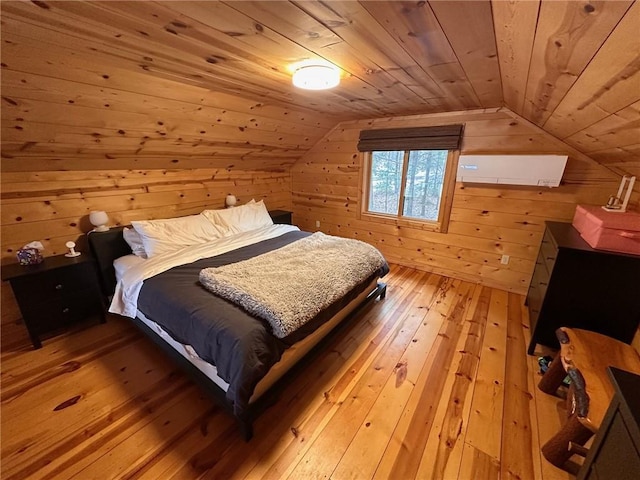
x=291, y=285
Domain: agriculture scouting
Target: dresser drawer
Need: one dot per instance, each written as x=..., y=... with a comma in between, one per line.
x=534, y=302
x=549, y=250
x=541, y=275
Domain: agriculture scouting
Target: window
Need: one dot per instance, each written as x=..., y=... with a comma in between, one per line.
x=412, y=186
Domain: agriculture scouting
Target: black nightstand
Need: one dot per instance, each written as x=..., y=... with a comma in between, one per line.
x=55, y=293
x=280, y=217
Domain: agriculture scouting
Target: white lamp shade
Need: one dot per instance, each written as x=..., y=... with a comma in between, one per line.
x=230, y=201
x=316, y=77
x=99, y=219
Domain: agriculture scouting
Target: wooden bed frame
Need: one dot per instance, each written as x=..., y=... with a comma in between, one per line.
x=107, y=246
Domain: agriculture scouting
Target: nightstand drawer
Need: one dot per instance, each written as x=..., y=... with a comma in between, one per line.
x=46, y=316
x=53, y=284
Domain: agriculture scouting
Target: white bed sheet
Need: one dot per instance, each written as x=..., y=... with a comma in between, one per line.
x=187, y=352
x=125, y=298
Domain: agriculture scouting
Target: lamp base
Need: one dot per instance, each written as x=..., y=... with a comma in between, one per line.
x=101, y=228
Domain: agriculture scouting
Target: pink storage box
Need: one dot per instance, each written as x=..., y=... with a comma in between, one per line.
x=617, y=232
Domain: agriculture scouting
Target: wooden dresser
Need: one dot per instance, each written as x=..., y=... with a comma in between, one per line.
x=574, y=285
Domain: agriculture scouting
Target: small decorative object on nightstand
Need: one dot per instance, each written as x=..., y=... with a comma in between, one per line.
x=280, y=217
x=72, y=250
x=55, y=293
x=30, y=254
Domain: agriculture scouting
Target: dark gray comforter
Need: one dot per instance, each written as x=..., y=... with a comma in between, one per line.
x=239, y=345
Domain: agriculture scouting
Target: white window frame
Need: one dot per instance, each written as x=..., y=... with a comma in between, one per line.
x=448, y=186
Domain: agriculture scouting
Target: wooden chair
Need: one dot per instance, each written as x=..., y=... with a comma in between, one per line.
x=584, y=356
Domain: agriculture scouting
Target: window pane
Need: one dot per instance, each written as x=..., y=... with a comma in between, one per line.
x=425, y=177
x=386, y=177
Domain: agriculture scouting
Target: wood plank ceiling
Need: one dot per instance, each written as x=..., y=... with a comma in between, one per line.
x=130, y=80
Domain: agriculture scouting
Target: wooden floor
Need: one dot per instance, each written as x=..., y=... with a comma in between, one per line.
x=432, y=382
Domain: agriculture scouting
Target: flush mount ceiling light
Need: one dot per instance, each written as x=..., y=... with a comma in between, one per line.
x=316, y=76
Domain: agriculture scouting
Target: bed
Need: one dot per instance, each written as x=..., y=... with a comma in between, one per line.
x=235, y=353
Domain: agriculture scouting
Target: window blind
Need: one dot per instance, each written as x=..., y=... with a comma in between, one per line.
x=445, y=137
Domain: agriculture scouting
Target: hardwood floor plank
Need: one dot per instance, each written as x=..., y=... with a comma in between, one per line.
x=478, y=465
x=453, y=464
x=328, y=448
x=130, y=443
x=397, y=301
x=98, y=384
x=93, y=435
x=532, y=366
x=485, y=424
x=407, y=461
x=373, y=436
x=392, y=308
x=397, y=442
x=516, y=459
x=175, y=458
x=415, y=387
x=457, y=405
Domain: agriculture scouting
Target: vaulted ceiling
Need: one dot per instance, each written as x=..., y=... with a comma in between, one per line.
x=164, y=82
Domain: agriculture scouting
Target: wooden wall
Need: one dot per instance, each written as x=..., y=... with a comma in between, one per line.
x=53, y=207
x=153, y=109
x=486, y=221
x=87, y=123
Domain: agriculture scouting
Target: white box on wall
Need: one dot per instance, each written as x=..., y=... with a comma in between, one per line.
x=535, y=170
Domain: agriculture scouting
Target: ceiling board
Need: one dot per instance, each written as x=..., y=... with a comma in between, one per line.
x=568, y=35
x=474, y=45
x=514, y=22
x=211, y=80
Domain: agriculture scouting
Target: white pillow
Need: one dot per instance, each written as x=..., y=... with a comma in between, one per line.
x=123, y=264
x=134, y=240
x=167, y=235
x=243, y=218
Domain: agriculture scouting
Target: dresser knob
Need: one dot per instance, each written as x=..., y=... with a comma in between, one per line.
x=65, y=310
x=59, y=286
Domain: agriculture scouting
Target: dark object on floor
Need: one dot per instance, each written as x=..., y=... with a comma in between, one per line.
x=545, y=363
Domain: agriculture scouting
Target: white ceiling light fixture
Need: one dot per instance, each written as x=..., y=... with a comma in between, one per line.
x=316, y=76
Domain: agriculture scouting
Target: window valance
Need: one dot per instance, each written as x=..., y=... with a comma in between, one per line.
x=445, y=137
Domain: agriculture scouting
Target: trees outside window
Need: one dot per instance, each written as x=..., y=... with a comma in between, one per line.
x=407, y=184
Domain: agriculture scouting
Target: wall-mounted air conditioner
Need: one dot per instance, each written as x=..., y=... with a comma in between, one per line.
x=538, y=170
